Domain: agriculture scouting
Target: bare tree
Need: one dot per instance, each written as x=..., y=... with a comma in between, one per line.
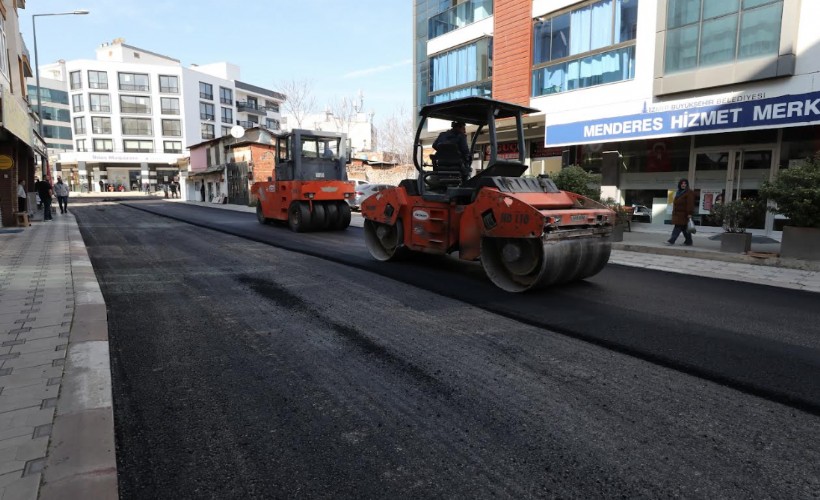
x=396, y=134
x=344, y=111
x=299, y=100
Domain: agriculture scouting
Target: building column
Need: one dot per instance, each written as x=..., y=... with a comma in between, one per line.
x=8, y=186
x=83, y=174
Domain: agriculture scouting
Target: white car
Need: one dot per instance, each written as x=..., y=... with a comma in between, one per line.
x=363, y=191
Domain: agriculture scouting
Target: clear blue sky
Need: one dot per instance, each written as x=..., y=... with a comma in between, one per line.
x=341, y=45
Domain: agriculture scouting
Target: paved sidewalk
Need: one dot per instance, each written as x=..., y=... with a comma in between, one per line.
x=56, y=413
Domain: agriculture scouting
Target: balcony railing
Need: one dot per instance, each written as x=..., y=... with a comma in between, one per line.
x=169, y=90
x=206, y=116
x=226, y=100
x=227, y=119
x=205, y=95
x=98, y=85
x=134, y=87
x=249, y=107
x=246, y=124
x=100, y=109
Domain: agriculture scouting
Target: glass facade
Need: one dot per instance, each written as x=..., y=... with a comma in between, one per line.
x=458, y=16
x=463, y=71
x=589, y=46
x=705, y=33
x=48, y=95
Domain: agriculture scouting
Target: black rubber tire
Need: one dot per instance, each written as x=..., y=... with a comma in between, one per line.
x=344, y=215
x=260, y=216
x=299, y=217
x=332, y=214
x=318, y=217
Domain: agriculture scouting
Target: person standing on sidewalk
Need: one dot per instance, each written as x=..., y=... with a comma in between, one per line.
x=45, y=193
x=682, y=209
x=61, y=192
x=21, y=196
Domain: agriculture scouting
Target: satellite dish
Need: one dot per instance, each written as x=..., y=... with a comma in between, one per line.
x=237, y=131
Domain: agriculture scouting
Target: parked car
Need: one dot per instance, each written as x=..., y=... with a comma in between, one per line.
x=365, y=190
x=642, y=214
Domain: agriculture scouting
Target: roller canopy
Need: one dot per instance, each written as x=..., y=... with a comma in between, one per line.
x=473, y=110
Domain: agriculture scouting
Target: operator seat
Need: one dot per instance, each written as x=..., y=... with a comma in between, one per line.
x=448, y=167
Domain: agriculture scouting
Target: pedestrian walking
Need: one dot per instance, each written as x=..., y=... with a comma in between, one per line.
x=45, y=192
x=165, y=190
x=682, y=210
x=102, y=186
x=173, y=190
x=202, y=190
x=61, y=192
x=21, y=196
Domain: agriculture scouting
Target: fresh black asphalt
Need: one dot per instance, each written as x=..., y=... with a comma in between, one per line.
x=242, y=370
x=758, y=339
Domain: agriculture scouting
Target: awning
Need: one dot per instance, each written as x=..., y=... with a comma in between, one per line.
x=219, y=169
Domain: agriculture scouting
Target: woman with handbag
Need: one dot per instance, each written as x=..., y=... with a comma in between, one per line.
x=682, y=209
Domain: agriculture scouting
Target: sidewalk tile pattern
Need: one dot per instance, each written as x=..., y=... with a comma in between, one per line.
x=36, y=310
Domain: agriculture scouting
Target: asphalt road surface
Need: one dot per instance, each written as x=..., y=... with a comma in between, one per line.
x=245, y=369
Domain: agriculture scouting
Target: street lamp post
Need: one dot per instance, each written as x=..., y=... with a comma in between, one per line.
x=37, y=74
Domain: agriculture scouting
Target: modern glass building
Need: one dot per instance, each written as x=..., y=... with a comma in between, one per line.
x=722, y=93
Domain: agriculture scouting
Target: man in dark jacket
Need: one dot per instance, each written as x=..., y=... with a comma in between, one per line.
x=682, y=210
x=45, y=192
x=457, y=135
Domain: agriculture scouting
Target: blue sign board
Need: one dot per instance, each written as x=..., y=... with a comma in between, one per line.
x=731, y=114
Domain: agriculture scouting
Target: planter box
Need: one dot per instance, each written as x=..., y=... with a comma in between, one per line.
x=618, y=232
x=735, y=242
x=800, y=243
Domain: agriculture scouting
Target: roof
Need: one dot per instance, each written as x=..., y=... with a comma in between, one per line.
x=210, y=170
x=474, y=110
x=259, y=90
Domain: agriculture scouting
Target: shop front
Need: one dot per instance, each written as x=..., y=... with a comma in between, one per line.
x=103, y=172
x=726, y=151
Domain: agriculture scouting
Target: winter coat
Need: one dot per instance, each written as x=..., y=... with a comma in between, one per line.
x=60, y=189
x=683, y=208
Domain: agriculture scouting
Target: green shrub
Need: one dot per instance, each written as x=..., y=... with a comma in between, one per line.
x=796, y=191
x=737, y=215
x=577, y=180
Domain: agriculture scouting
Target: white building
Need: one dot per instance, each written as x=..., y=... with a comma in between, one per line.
x=352, y=121
x=645, y=91
x=134, y=112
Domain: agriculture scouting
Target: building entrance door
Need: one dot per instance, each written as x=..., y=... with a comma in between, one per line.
x=726, y=174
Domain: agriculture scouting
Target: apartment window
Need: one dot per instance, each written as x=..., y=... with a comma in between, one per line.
x=459, y=16
x=253, y=119
x=101, y=125
x=48, y=95
x=227, y=115
x=97, y=79
x=172, y=146
x=271, y=106
x=701, y=33
x=206, y=111
x=169, y=105
x=466, y=69
x=135, y=104
x=76, y=80
x=206, y=91
x=55, y=132
x=55, y=114
x=99, y=103
x=225, y=95
x=207, y=131
x=137, y=126
x=136, y=146
x=589, y=46
x=168, y=84
x=172, y=128
x=4, y=61
x=79, y=125
x=81, y=147
x=226, y=131
x=272, y=124
x=134, y=82
x=77, y=103
x=103, y=145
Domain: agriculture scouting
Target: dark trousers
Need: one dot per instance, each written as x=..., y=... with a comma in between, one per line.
x=47, y=208
x=63, y=202
x=680, y=228
x=21, y=205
